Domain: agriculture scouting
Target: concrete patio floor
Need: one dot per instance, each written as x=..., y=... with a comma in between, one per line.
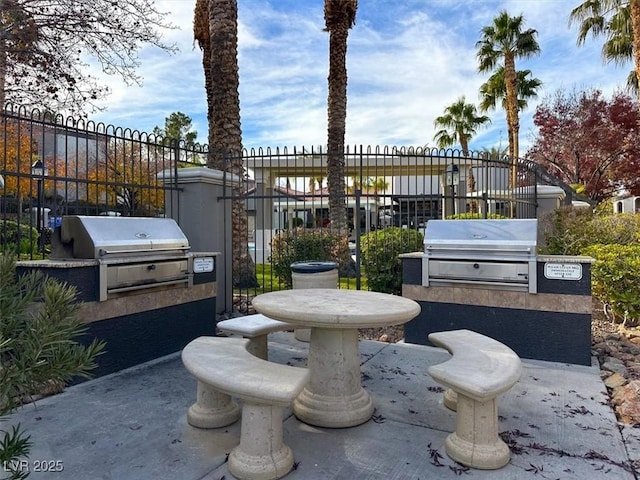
x=132, y=425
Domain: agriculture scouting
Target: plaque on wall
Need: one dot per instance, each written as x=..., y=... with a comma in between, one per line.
x=203, y=264
x=563, y=271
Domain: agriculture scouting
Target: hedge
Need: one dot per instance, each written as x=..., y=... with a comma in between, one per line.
x=300, y=244
x=380, y=250
x=615, y=280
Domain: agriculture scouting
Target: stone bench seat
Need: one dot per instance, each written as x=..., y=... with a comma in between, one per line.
x=224, y=368
x=256, y=328
x=479, y=370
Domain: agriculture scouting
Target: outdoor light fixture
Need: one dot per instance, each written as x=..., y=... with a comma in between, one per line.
x=452, y=175
x=452, y=178
x=39, y=171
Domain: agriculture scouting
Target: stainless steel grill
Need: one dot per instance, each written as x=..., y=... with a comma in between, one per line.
x=492, y=253
x=133, y=253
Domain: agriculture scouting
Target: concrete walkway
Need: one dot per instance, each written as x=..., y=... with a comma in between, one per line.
x=132, y=425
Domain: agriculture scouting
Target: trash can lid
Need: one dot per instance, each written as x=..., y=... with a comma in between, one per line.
x=313, y=266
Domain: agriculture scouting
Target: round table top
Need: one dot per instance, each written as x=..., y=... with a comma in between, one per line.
x=336, y=308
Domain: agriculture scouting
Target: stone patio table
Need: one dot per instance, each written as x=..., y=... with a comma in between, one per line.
x=334, y=396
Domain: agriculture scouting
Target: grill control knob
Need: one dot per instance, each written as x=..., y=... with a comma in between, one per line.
x=475, y=265
x=151, y=267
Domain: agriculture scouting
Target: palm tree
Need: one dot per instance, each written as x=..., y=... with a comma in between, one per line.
x=202, y=36
x=339, y=17
x=218, y=39
x=494, y=153
x=379, y=185
x=619, y=21
x=493, y=91
x=458, y=124
x=371, y=185
x=315, y=183
x=635, y=23
x=506, y=40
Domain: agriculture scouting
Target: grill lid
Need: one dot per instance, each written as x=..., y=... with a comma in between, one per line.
x=497, y=254
x=98, y=237
x=482, y=235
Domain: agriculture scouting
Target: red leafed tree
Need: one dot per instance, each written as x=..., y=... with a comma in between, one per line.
x=589, y=142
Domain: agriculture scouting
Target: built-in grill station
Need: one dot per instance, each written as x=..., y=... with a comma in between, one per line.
x=497, y=254
x=133, y=253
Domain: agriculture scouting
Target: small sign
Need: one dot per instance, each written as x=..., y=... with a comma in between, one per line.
x=563, y=271
x=203, y=264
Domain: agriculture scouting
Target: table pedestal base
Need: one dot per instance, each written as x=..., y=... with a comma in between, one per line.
x=334, y=397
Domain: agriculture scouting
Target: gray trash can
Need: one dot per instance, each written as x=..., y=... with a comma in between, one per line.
x=312, y=274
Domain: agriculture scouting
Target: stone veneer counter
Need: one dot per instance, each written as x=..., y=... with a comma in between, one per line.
x=137, y=326
x=553, y=324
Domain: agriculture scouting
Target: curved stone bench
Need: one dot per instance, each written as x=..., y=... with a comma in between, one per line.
x=256, y=328
x=225, y=366
x=480, y=369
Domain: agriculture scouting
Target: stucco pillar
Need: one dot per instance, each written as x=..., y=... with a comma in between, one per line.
x=201, y=205
x=264, y=214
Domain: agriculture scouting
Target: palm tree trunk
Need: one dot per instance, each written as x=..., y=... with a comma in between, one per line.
x=634, y=12
x=510, y=79
x=225, y=149
x=203, y=37
x=464, y=144
x=336, y=125
x=225, y=128
x=471, y=181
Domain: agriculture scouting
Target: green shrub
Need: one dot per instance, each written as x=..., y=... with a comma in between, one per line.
x=562, y=231
x=296, y=221
x=569, y=231
x=623, y=229
x=615, y=280
x=18, y=238
x=380, y=250
x=301, y=245
x=38, y=352
x=612, y=239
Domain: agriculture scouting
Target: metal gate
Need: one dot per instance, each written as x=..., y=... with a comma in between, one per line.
x=385, y=187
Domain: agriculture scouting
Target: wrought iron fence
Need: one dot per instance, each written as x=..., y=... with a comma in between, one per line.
x=385, y=187
x=52, y=166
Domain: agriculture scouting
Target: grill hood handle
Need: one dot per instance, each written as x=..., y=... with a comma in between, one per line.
x=103, y=251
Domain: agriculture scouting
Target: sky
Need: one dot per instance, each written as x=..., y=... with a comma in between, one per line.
x=407, y=60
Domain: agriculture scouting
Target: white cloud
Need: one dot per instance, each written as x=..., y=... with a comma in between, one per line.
x=407, y=60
